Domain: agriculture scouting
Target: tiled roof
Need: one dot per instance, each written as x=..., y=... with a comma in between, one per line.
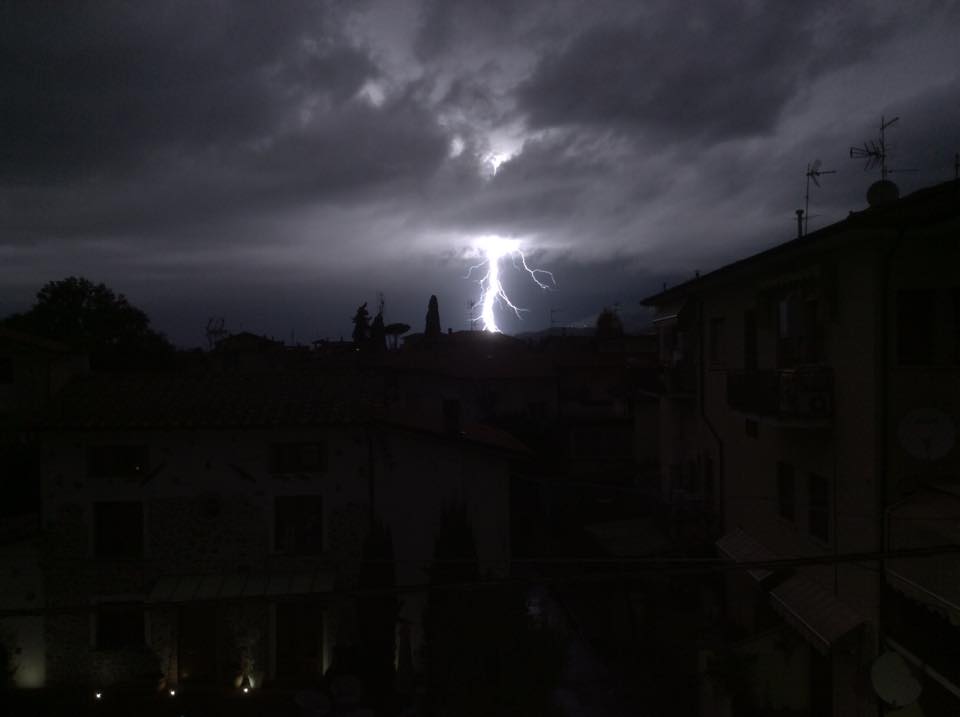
x=203, y=400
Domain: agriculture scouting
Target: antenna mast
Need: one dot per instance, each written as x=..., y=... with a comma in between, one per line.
x=876, y=152
x=813, y=172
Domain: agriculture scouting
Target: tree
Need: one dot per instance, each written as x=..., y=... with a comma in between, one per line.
x=377, y=612
x=361, y=326
x=609, y=324
x=432, y=328
x=483, y=654
x=91, y=318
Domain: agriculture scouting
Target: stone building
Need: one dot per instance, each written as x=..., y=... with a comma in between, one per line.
x=207, y=529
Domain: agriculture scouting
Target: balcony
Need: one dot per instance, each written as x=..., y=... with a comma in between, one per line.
x=802, y=395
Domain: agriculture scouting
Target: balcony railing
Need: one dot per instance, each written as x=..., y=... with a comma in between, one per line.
x=804, y=393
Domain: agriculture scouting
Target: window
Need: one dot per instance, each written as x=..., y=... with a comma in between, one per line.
x=6, y=370
x=116, y=461
x=451, y=415
x=751, y=427
x=708, y=477
x=298, y=524
x=299, y=458
x=299, y=640
x=916, y=327
x=716, y=341
x=118, y=529
x=119, y=627
x=819, y=507
x=786, y=491
x=750, y=348
x=955, y=296
x=809, y=340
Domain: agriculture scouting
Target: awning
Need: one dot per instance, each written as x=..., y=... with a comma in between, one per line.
x=741, y=548
x=814, y=612
x=927, y=519
x=233, y=586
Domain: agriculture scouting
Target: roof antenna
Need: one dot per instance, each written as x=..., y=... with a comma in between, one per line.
x=813, y=172
x=876, y=154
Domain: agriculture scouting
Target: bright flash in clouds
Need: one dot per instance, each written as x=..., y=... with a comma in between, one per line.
x=494, y=250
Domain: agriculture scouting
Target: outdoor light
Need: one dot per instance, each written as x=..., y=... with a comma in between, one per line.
x=173, y=693
x=245, y=684
x=98, y=695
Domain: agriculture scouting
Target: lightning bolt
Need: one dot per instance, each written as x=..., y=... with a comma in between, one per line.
x=494, y=250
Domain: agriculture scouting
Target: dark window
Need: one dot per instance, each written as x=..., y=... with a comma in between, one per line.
x=451, y=415
x=676, y=475
x=119, y=627
x=916, y=326
x=118, y=529
x=299, y=640
x=299, y=458
x=708, y=477
x=750, y=348
x=819, y=507
x=751, y=427
x=786, y=491
x=298, y=524
x=6, y=370
x=809, y=340
x=955, y=296
x=116, y=461
x=716, y=341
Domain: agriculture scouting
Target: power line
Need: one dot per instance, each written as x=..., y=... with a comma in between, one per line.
x=639, y=567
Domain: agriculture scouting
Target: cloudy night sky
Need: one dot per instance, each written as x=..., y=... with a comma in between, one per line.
x=278, y=163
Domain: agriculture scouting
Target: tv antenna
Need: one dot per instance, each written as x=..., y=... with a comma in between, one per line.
x=876, y=153
x=813, y=174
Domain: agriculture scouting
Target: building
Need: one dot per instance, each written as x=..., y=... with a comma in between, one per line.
x=206, y=530
x=811, y=397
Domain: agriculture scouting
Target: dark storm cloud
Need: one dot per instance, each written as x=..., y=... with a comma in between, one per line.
x=89, y=86
x=285, y=161
x=713, y=71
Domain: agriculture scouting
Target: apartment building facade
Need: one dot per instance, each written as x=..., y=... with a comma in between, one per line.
x=207, y=530
x=811, y=404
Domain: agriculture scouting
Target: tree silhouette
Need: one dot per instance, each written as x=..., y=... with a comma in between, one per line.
x=377, y=612
x=361, y=326
x=483, y=654
x=609, y=324
x=91, y=318
x=432, y=329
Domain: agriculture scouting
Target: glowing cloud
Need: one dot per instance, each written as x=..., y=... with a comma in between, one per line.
x=494, y=249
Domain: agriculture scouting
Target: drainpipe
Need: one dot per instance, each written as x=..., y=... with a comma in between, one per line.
x=702, y=377
x=883, y=417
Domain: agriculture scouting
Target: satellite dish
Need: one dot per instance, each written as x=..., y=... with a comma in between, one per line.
x=893, y=681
